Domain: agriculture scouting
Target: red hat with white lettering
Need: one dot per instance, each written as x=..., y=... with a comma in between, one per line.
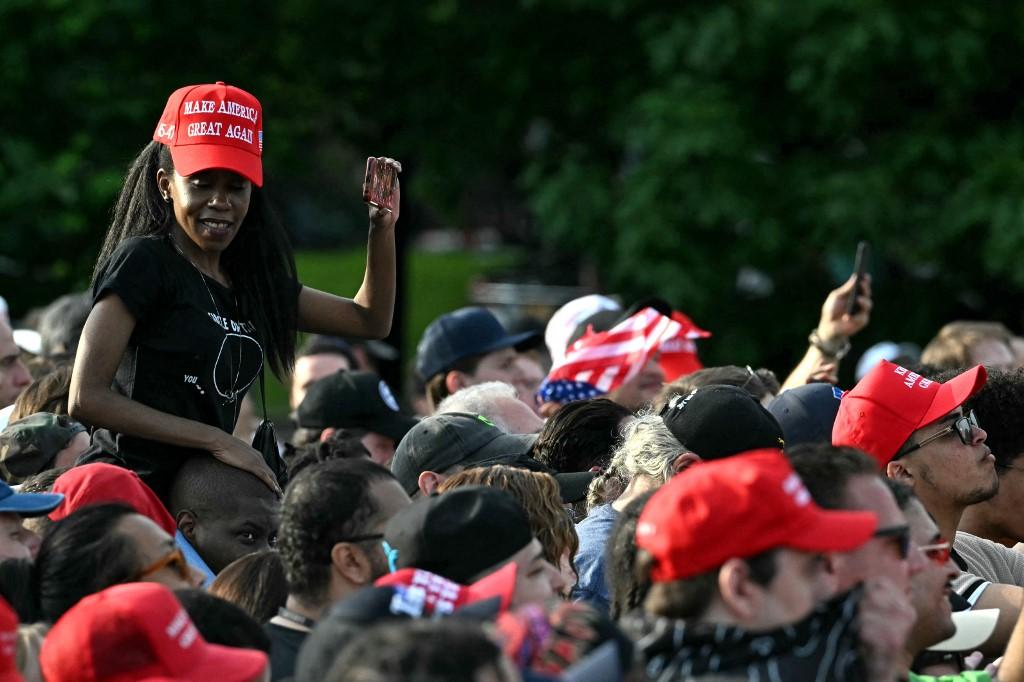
x=891, y=402
x=735, y=508
x=213, y=126
x=139, y=631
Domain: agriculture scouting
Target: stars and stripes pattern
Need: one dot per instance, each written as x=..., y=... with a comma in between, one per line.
x=599, y=363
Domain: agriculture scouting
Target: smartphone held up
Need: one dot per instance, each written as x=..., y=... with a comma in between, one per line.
x=860, y=269
x=380, y=183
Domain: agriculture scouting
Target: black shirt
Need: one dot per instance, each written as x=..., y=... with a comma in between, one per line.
x=284, y=649
x=189, y=355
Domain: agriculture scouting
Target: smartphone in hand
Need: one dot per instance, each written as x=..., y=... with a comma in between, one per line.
x=379, y=183
x=860, y=267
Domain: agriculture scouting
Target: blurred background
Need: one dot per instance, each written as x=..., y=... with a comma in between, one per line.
x=725, y=156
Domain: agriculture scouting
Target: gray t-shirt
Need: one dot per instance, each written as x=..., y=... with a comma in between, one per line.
x=990, y=560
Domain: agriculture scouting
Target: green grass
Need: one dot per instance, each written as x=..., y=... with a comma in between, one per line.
x=436, y=283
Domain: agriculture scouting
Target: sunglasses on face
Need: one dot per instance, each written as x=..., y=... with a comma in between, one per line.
x=173, y=559
x=962, y=427
x=939, y=552
x=900, y=535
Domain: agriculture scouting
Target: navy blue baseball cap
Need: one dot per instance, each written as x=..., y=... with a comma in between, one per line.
x=807, y=413
x=461, y=334
x=27, y=504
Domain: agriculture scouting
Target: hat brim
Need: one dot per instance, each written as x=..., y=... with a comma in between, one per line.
x=573, y=486
x=954, y=393
x=502, y=449
x=193, y=158
x=30, y=504
x=226, y=664
x=827, y=530
x=973, y=628
x=394, y=425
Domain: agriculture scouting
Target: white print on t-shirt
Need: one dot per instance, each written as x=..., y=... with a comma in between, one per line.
x=236, y=347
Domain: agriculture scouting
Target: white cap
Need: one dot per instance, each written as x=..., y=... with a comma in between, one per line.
x=28, y=340
x=565, y=320
x=973, y=628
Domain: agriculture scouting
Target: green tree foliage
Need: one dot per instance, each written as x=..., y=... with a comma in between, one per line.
x=727, y=156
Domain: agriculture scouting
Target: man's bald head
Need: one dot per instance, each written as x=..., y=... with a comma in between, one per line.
x=224, y=512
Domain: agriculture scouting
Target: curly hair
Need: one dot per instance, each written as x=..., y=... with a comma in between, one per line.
x=648, y=449
x=999, y=406
x=324, y=504
x=538, y=493
x=581, y=435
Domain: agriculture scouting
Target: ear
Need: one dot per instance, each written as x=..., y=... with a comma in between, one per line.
x=684, y=461
x=739, y=595
x=898, y=471
x=428, y=482
x=186, y=522
x=351, y=563
x=455, y=381
x=163, y=182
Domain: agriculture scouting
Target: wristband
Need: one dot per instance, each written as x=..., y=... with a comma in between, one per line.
x=837, y=348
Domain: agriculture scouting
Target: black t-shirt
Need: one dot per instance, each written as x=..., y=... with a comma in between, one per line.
x=284, y=649
x=189, y=355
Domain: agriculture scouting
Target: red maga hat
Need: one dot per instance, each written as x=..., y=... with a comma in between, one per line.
x=213, y=126
x=735, y=508
x=891, y=402
x=139, y=631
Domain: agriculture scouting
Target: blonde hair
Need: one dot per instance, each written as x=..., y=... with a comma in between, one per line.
x=951, y=347
x=648, y=449
x=538, y=494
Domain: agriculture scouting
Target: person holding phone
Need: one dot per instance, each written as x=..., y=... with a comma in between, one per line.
x=195, y=290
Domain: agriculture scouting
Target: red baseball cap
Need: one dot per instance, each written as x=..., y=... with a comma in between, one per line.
x=737, y=507
x=440, y=595
x=8, y=644
x=891, y=402
x=679, y=353
x=213, y=126
x=102, y=483
x=139, y=631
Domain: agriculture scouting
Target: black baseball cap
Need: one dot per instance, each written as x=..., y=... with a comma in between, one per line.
x=807, y=413
x=459, y=534
x=349, y=400
x=461, y=334
x=719, y=421
x=440, y=442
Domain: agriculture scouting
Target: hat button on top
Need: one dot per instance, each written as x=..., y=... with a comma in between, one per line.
x=220, y=83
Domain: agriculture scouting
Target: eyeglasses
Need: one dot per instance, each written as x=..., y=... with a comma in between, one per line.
x=939, y=552
x=901, y=534
x=963, y=427
x=364, y=538
x=173, y=559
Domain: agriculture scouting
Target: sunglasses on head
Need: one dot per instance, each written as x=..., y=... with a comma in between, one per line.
x=963, y=427
x=901, y=534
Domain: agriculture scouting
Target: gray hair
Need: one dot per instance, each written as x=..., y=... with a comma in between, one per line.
x=648, y=449
x=482, y=399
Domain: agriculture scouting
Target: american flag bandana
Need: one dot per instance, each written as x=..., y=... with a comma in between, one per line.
x=599, y=363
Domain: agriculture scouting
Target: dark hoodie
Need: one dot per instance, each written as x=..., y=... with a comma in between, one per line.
x=823, y=646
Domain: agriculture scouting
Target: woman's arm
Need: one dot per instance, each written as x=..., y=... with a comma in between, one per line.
x=369, y=313
x=91, y=399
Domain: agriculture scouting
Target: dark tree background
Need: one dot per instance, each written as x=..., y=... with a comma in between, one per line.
x=727, y=155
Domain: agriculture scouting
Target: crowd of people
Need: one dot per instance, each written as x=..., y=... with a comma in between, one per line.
x=578, y=499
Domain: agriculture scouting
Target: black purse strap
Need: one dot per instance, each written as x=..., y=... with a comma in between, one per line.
x=263, y=394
